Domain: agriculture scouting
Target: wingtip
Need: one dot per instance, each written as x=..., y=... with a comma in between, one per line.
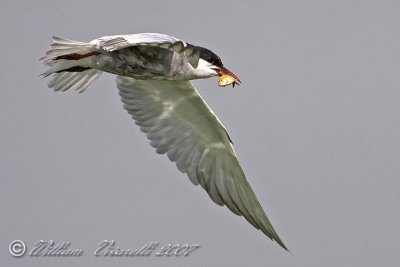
x=282, y=245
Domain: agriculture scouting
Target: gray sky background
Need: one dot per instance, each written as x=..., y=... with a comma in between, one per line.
x=316, y=126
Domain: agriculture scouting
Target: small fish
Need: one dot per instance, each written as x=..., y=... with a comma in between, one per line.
x=226, y=80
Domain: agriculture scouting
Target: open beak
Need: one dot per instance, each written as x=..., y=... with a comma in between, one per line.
x=225, y=71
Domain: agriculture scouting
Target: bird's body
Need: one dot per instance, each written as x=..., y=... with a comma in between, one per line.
x=154, y=73
x=144, y=61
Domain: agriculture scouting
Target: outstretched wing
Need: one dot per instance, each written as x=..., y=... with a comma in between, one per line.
x=117, y=42
x=179, y=123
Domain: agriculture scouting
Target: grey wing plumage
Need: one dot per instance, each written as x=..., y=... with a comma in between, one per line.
x=117, y=42
x=179, y=123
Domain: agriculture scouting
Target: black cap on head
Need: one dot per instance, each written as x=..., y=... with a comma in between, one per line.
x=211, y=57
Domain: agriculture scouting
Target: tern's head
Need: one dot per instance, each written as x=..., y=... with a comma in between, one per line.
x=211, y=64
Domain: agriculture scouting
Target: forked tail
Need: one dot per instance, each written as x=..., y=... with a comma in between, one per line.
x=71, y=65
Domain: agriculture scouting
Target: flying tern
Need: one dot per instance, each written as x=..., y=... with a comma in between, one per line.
x=154, y=73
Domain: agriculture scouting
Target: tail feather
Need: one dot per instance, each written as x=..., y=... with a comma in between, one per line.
x=77, y=81
x=62, y=47
x=70, y=64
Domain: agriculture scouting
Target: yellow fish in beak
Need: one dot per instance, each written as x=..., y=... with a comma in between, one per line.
x=226, y=80
x=226, y=77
